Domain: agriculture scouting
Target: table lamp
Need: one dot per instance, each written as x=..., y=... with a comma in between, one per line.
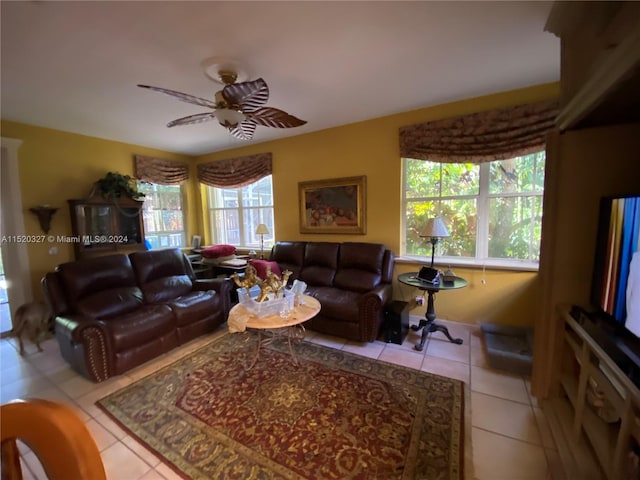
x=435, y=229
x=262, y=230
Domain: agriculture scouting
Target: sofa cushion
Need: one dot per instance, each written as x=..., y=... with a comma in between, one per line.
x=194, y=306
x=290, y=256
x=110, y=303
x=359, y=266
x=337, y=303
x=140, y=326
x=320, y=263
x=218, y=251
x=89, y=276
x=261, y=268
x=362, y=256
x=165, y=289
x=161, y=274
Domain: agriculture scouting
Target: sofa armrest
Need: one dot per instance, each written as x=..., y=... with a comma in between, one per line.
x=222, y=286
x=380, y=295
x=371, y=310
x=70, y=326
x=86, y=345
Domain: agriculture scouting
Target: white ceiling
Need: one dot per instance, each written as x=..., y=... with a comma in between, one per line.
x=74, y=66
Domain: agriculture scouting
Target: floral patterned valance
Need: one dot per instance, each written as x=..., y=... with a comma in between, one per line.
x=235, y=172
x=481, y=137
x=159, y=171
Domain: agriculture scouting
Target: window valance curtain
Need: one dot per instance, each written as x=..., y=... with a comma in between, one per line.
x=159, y=171
x=480, y=137
x=235, y=172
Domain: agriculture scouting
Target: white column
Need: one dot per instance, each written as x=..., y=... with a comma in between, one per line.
x=14, y=254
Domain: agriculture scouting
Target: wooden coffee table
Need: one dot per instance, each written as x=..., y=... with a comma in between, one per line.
x=275, y=326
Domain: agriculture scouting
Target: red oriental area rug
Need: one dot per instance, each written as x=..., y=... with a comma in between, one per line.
x=336, y=416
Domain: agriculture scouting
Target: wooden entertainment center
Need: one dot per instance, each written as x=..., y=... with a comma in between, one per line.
x=595, y=416
x=593, y=408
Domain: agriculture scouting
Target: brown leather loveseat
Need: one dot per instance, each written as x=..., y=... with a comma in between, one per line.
x=351, y=280
x=115, y=312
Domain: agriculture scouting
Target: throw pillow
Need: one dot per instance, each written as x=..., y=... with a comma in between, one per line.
x=261, y=268
x=217, y=251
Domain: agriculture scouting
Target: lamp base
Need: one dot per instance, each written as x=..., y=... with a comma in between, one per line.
x=433, y=240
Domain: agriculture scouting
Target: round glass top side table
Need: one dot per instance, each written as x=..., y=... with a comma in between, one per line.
x=428, y=324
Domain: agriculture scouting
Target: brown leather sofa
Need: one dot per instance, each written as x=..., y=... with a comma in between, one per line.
x=351, y=280
x=115, y=312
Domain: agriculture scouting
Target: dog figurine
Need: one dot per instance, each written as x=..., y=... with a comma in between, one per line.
x=31, y=321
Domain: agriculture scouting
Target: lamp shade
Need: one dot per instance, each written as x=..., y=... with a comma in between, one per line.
x=435, y=228
x=262, y=229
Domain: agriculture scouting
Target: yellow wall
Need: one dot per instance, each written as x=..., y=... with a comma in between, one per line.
x=371, y=148
x=56, y=166
x=504, y=297
x=584, y=165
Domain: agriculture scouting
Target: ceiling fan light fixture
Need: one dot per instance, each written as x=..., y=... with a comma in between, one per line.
x=239, y=106
x=229, y=118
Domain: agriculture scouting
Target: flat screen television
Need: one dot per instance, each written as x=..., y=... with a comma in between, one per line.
x=615, y=287
x=616, y=279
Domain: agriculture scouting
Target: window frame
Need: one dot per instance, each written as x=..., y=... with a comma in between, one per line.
x=249, y=240
x=483, y=198
x=166, y=233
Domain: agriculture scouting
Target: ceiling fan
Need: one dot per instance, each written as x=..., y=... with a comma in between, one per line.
x=239, y=107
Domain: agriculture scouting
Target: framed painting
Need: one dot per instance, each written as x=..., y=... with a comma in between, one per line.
x=333, y=206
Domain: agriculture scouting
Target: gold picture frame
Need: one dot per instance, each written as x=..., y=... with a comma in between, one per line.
x=336, y=205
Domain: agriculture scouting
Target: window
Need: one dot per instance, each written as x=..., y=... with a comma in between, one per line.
x=493, y=210
x=163, y=215
x=234, y=213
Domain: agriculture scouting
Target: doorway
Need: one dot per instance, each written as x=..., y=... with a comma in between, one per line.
x=15, y=274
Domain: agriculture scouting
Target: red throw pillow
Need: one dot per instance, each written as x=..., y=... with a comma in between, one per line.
x=261, y=268
x=217, y=251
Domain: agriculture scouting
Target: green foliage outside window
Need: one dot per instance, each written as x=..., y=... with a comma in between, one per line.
x=423, y=180
x=506, y=206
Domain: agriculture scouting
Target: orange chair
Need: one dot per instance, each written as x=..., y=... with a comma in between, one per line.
x=55, y=434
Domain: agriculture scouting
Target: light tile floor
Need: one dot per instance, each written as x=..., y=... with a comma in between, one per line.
x=5, y=314
x=510, y=436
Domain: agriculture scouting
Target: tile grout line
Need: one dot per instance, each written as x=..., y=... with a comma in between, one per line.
x=510, y=437
x=404, y=349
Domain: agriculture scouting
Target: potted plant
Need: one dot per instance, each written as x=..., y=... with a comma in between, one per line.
x=115, y=185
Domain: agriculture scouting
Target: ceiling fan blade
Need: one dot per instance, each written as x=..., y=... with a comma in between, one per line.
x=273, y=117
x=249, y=96
x=203, y=102
x=192, y=119
x=244, y=130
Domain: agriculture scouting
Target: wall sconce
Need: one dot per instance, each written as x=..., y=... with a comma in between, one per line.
x=44, y=214
x=262, y=230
